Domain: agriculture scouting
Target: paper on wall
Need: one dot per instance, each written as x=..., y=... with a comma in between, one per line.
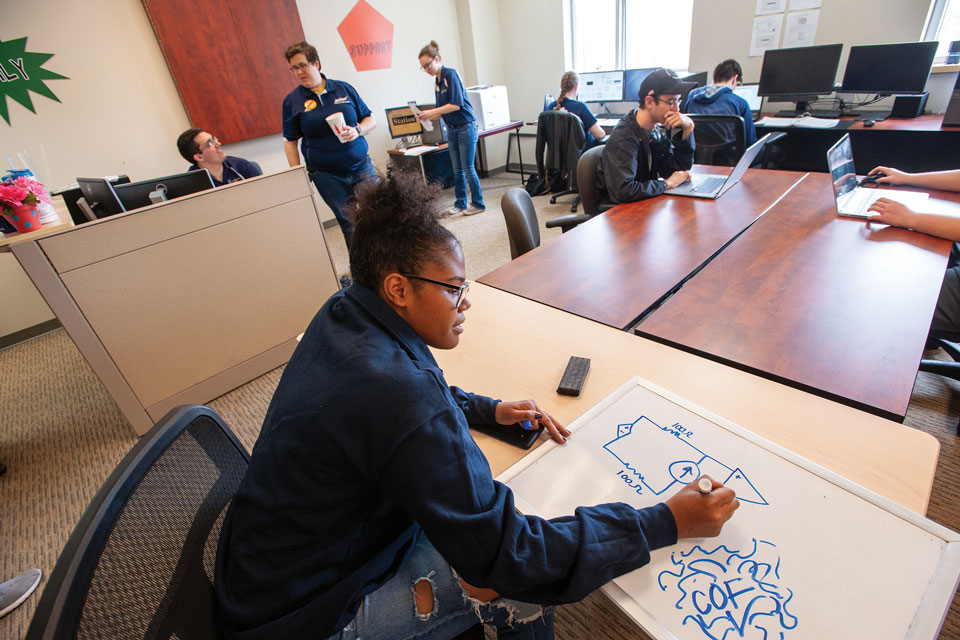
x=770, y=6
x=801, y=28
x=802, y=5
x=766, y=34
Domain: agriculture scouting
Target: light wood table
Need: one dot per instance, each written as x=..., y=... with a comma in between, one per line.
x=63, y=222
x=513, y=348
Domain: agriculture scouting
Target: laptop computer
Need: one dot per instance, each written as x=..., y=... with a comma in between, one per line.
x=749, y=93
x=712, y=187
x=852, y=199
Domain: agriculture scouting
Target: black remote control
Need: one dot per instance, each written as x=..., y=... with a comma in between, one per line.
x=572, y=381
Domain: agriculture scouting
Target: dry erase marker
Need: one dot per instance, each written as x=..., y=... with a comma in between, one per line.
x=704, y=485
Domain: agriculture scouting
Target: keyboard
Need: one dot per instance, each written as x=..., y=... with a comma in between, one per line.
x=816, y=113
x=709, y=184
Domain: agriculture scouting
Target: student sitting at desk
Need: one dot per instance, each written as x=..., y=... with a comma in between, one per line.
x=719, y=98
x=946, y=317
x=569, y=85
x=203, y=151
x=640, y=150
x=367, y=507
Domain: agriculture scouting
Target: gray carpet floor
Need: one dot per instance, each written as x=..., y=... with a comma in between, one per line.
x=61, y=435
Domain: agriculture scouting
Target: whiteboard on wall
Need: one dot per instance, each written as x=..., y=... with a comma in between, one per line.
x=808, y=554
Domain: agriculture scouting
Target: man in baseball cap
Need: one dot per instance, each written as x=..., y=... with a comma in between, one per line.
x=651, y=148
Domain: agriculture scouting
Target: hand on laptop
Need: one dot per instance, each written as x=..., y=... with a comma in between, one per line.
x=677, y=179
x=891, y=212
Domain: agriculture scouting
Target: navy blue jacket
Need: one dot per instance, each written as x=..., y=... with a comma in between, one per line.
x=234, y=169
x=633, y=159
x=305, y=116
x=449, y=89
x=364, y=447
x=716, y=99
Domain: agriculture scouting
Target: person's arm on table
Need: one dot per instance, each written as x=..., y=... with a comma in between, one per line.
x=945, y=180
x=483, y=410
x=620, y=158
x=898, y=214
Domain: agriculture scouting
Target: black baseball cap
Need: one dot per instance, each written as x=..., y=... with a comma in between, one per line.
x=661, y=82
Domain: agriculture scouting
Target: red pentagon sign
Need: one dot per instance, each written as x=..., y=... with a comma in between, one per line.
x=368, y=37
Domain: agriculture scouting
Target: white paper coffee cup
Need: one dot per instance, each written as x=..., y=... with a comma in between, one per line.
x=338, y=124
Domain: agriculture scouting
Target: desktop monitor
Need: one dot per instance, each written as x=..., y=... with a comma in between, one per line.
x=601, y=86
x=631, y=83
x=799, y=74
x=100, y=197
x=691, y=82
x=889, y=68
x=402, y=123
x=137, y=194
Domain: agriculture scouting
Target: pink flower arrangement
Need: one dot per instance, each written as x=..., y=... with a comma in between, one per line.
x=21, y=191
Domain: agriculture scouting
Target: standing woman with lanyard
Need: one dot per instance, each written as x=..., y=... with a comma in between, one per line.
x=336, y=164
x=457, y=113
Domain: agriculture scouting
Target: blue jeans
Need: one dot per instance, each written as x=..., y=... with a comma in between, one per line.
x=462, y=144
x=337, y=189
x=391, y=611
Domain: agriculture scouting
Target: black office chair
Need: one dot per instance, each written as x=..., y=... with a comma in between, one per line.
x=587, y=180
x=560, y=139
x=719, y=138
x=944, y=368
x=140, y=562
x=521, y=218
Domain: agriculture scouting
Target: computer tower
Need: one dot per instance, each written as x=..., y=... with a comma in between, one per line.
x=952, y=116
x=909, y=106
x=438, y=135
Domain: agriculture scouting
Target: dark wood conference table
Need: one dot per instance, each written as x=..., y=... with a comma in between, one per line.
x=836, y=306
x=618, y=265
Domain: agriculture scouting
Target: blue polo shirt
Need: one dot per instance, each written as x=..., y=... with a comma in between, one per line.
x=304, y=116
x=234, y=169
x=583, y=112
x=449, y=89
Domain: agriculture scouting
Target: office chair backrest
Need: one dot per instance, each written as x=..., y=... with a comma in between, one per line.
x=587, y=179
x=719, y=138
x=140, y=562
x=561, y=135
x=521, y=218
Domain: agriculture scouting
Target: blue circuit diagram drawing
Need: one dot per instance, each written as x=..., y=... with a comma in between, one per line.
x=643, y=457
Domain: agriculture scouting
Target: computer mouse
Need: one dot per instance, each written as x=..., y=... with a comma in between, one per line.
x=869, y=123
x=872, y=180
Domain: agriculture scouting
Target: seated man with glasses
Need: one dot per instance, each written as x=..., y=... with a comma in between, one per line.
x=368, y=510
x=202, y=150
x=651, y=148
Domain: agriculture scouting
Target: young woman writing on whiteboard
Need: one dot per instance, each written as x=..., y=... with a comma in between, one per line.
x=457, y=113
x=368, y=511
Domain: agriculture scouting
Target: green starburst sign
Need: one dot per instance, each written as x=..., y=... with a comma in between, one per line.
x=22, y=72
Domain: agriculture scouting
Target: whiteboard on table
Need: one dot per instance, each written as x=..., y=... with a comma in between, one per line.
x=808, y=554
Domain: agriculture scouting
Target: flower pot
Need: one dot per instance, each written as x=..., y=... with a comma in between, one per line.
x=24, y=218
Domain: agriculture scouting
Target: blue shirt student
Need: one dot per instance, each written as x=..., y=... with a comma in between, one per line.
x=720, y=99
x=234, y=169
x=335, y=497
x=305, y=117
x=449, y=89
x=582, y=111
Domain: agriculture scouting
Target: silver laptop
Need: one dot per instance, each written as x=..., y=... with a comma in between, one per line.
x=852, y=199
x=712, y=187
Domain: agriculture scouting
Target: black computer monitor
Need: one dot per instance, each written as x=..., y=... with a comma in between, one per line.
x=100, y=197
x=601, y=86
x=799, y=74
x=631, y=83
x=402, y=123
x=885, y=69
x=691, y=82
x=137, y=194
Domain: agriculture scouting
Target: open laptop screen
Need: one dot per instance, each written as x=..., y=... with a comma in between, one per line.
x=749, y=93
x=840, y=159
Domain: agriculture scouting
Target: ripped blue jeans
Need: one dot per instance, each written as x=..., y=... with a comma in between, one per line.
x=391, y=611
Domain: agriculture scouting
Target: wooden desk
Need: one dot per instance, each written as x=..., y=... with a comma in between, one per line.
x=513, y=348
x=63, y=222
x=911, y=144
x=615, y=267
x=831, y=305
